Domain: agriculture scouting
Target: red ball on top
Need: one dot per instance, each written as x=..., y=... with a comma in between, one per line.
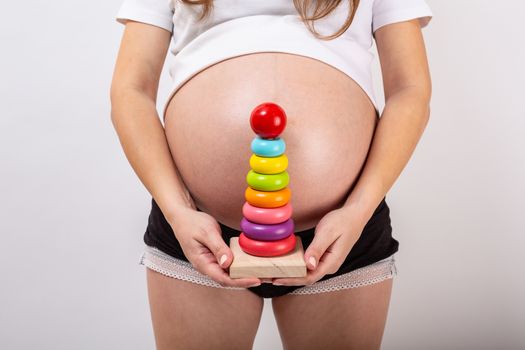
x=268, y=120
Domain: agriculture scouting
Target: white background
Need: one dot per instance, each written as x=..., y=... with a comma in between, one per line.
x=73, y=212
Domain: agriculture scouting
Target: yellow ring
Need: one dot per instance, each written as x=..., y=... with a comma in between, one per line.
x=269, y=165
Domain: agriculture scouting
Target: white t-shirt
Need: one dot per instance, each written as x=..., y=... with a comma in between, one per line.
x=237, y=27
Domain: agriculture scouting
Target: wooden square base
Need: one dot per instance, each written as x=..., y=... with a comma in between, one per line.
x=246, y=265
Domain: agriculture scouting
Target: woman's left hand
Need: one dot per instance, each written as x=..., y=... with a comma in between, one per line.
x=334, y=237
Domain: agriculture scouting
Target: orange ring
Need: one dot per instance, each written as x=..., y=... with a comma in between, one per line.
x=267, y=199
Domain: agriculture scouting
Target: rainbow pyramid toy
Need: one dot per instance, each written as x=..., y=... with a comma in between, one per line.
x=267, y=246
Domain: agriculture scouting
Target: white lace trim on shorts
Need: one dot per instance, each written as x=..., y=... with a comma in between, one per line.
x=169, y=266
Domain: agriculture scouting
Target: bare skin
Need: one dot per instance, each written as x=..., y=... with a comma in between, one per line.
x=346, y=319
x=350, y=319
x=191, y=316
x=407, y=93
x=330, y=124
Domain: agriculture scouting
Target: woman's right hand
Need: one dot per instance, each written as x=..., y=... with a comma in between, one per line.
x=200, y=238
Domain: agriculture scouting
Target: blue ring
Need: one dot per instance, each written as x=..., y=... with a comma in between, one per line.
x=268, y=147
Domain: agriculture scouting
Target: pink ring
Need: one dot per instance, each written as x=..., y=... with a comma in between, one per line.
x=267, y=215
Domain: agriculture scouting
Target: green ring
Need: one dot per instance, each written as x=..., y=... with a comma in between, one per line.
x=267, y=182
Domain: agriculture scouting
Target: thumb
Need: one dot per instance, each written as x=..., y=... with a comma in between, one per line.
x=316, y=249
x=220, y=249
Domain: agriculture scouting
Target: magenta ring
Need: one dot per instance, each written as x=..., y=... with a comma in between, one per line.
x=267, y=232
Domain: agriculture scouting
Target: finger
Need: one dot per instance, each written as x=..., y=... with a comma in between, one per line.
x=213, y=240
x=322, y=240
x=328, y=264
x=215, y=272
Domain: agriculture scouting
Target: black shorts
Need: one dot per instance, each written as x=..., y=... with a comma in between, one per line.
x=375, y=243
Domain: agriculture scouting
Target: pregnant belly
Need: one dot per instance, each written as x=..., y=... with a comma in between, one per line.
x=329, y=129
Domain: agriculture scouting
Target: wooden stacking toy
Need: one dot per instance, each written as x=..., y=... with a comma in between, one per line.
x=267, y=246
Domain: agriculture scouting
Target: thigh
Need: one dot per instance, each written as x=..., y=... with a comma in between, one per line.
x=186, y=315
x=345, y=319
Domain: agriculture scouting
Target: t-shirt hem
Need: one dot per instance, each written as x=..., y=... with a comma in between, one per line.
x=258, y=34
x=423, y=13
x=126, y=13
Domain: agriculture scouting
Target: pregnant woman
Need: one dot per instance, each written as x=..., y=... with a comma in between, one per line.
x=314, y=60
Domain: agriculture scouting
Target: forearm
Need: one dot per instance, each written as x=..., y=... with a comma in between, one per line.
x=400, y=127
x=143, y=140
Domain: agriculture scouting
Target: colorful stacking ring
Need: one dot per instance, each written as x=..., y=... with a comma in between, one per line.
x=267, y=199
x=267, y=215
x=267, y=182
x=263, y=232
x=267, y=248
x=269, y=165
x=268, y=148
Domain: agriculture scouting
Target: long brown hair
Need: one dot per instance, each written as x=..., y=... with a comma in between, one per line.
x=322, y=9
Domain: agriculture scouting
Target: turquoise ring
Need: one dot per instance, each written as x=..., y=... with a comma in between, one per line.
x=268, y=147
